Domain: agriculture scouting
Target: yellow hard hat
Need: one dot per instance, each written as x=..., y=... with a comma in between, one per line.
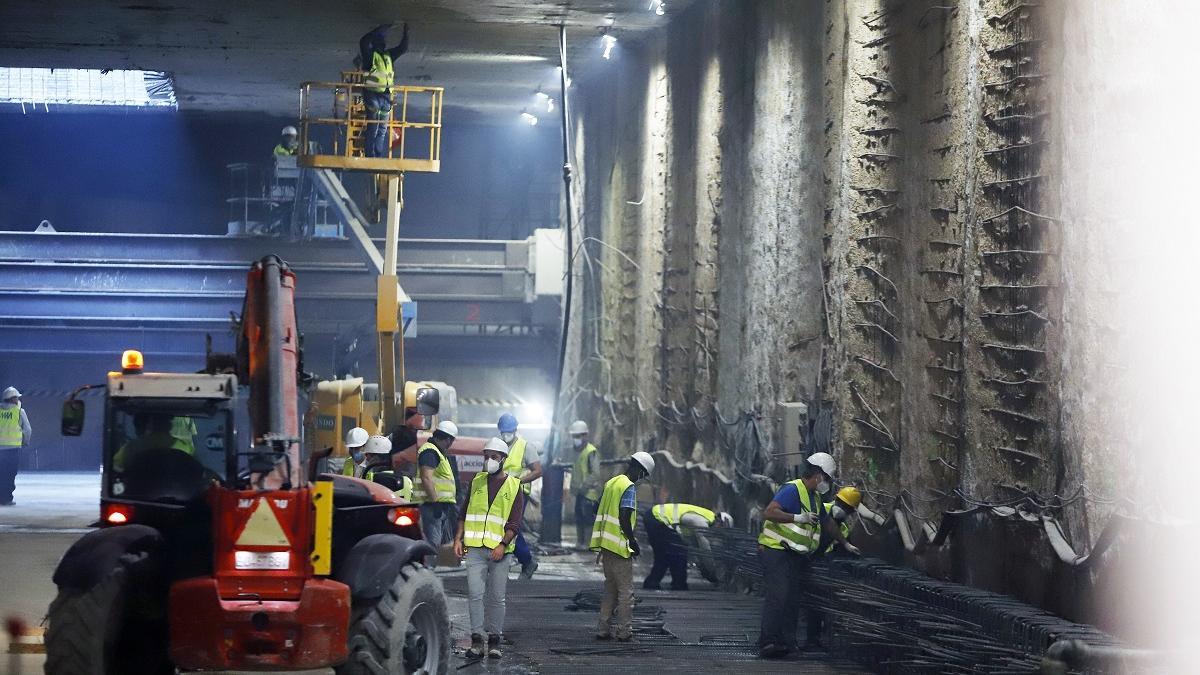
x=850, y=496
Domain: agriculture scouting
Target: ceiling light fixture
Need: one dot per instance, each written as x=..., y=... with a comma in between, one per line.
x=529, y=118
x=88, y=87
x=659, y=6
x=609, y=41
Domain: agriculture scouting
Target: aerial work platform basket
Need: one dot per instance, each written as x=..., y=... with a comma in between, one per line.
x=335, y=126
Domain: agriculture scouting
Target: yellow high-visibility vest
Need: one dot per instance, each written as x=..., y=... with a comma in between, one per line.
x=484, y=526
x=514, y=464
x=606, y=532
x=443, y=481
x=793, y=536
x=844, y=526
x=582, y=471
x=671, y=514
x=382, y=74
x=11, y=435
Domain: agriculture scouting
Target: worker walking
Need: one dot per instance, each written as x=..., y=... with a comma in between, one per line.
x=289, y=142
x=435, y=489
x=584, y=482
x=15, y=433
x=613, y=537
x=356, y=438
x=792, y=531
x=487, y=529
x=377, y=96
x=665, y=526
x=525, y=462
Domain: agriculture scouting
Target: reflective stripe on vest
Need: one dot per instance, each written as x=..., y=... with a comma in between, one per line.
x=484, y=526
x=581, y=474
x=382, y=74
x=10, y=427
x=606, y=532
x=793, y=536
x=514, y=464
x=443, y=480
x=844, y=526
x=671, y=514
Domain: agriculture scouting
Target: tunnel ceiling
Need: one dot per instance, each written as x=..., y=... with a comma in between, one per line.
x=250, y=56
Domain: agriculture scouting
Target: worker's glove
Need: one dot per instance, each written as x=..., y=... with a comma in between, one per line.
x=851, y=549
x=634, y=548
x=805, y=518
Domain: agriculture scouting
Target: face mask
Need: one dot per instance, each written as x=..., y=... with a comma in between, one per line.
x=578, y=442
x=357, y=457
x=823, y=487
x=508, y=437
x=839, y=514
x=491, y=465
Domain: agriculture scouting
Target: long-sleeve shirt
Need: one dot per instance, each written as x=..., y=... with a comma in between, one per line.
x=26, y=430
x=495, y=480
x=376, y=40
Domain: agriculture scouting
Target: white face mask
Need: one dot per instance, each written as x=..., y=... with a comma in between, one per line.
x=839, y=514
x=508, y=437
x=578, y=441
x=823, y=487
x=491, y=465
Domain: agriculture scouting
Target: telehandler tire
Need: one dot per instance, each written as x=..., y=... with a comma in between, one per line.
x=406, y=630
x=108, y=628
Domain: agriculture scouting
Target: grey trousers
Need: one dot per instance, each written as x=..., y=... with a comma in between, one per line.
x=618, y=594
x=487, y=582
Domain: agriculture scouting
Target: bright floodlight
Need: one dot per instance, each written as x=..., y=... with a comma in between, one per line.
x=609, y=42
x=533, y=412
x=90, y=87
x=529, y=118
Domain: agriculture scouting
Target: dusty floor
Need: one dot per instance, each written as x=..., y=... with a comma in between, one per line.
x=698, y=631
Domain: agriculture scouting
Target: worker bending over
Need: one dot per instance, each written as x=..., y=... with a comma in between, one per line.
x=584, y=481
x=794, y=522
x=666, y=525
x=844, y=505
x=487, y=527
x=435, y=489
x=613, y=537
x=525, y=462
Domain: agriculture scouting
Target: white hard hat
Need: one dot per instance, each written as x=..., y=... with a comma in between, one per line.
x=377, y=445
x=725, y=519
x=497, y=445
x=645, y=460
x=356, y=437
x=449, y=428
x=823, y=461
x=577, y=427
x=11, y=392
x=290, y=130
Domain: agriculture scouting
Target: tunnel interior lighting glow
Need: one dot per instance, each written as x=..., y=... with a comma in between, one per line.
x=529, y=118
x=659, y=6
x=87, y=87
x=609, y=41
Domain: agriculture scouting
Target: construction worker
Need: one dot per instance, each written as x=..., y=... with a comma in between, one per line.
x=155, y=432
x=183, y=428
x=525, y=462
x=792, y=529
x=289, y=142
x=840, y=509
x=487, y=529
x=613, y=537
x=377, y=466
x=435, y=489
x=15, y=433
x=665, y=526
x=584, y=481
x=356, y=438
x=377, y=93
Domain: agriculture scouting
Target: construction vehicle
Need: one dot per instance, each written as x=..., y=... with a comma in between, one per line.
x=220, y=550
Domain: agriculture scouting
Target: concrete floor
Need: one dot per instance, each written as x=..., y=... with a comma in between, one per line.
x=707, y=627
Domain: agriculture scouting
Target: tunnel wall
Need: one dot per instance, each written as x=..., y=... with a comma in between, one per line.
x=857, y=205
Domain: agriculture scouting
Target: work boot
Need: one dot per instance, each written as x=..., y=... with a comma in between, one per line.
x=476, y=650
x=494, y=647
x=624, y=637
x=772, y=651
x=528, y=569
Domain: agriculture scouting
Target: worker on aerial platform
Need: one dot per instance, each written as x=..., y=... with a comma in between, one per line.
x=378, y=62
x=289, y=142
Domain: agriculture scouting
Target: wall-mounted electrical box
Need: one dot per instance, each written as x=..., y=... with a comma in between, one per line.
x=793, y=430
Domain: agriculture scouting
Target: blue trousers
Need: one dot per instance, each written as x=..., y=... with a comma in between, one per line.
x=522, y=552
x=379, y=107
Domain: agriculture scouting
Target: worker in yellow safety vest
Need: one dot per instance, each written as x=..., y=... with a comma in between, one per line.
x=794, y=522
x=613, y=537
x=14, y=435
x=155, y=432
x=436, y=490
x=289, y=142
x=665, y=526
x=356, y=438
x=525, y=462
x=378, y=467
x=487, y=530
x=843, y=506
x=378, y=81
x=584, y=481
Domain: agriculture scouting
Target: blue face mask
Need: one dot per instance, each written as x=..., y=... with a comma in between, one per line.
x=357, y=456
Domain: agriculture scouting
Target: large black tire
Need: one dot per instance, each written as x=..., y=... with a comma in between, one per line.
x=113, y=627
x=407, y=630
